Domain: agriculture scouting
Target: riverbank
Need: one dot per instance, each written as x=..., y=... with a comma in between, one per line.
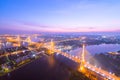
x=17, y=66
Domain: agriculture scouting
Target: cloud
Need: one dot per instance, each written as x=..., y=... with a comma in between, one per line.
x=26, y=23
x=91, y=28
x=33, y=26
x=29, y=26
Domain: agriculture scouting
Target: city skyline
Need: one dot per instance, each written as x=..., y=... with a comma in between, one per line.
x=59, y=16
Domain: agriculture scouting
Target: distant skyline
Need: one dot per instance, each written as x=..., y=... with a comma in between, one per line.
x=59, y=16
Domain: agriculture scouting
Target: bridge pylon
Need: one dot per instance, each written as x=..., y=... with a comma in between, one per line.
x=52, y=46
x=82, y=59
x=19, y=40
x=28, y=39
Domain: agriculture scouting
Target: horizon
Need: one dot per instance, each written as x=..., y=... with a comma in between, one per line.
x=33, y=16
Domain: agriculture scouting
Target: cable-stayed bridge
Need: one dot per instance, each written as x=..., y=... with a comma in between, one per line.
x=83, y=62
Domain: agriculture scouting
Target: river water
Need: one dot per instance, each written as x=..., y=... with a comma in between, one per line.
x=96, y=49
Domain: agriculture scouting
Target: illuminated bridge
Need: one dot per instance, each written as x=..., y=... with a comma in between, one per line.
x=81, y=59
x=83, y=63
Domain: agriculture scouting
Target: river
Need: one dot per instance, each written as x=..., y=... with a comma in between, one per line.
x=96, y=49
x=44, y=68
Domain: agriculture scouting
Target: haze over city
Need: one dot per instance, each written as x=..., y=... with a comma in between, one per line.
x=60, y=15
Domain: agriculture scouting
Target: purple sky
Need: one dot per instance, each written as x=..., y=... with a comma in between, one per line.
x=59, y=15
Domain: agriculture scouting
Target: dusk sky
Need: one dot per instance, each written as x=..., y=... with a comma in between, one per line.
x=59, y=15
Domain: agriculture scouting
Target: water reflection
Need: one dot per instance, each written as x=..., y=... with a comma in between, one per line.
x=51, y=61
